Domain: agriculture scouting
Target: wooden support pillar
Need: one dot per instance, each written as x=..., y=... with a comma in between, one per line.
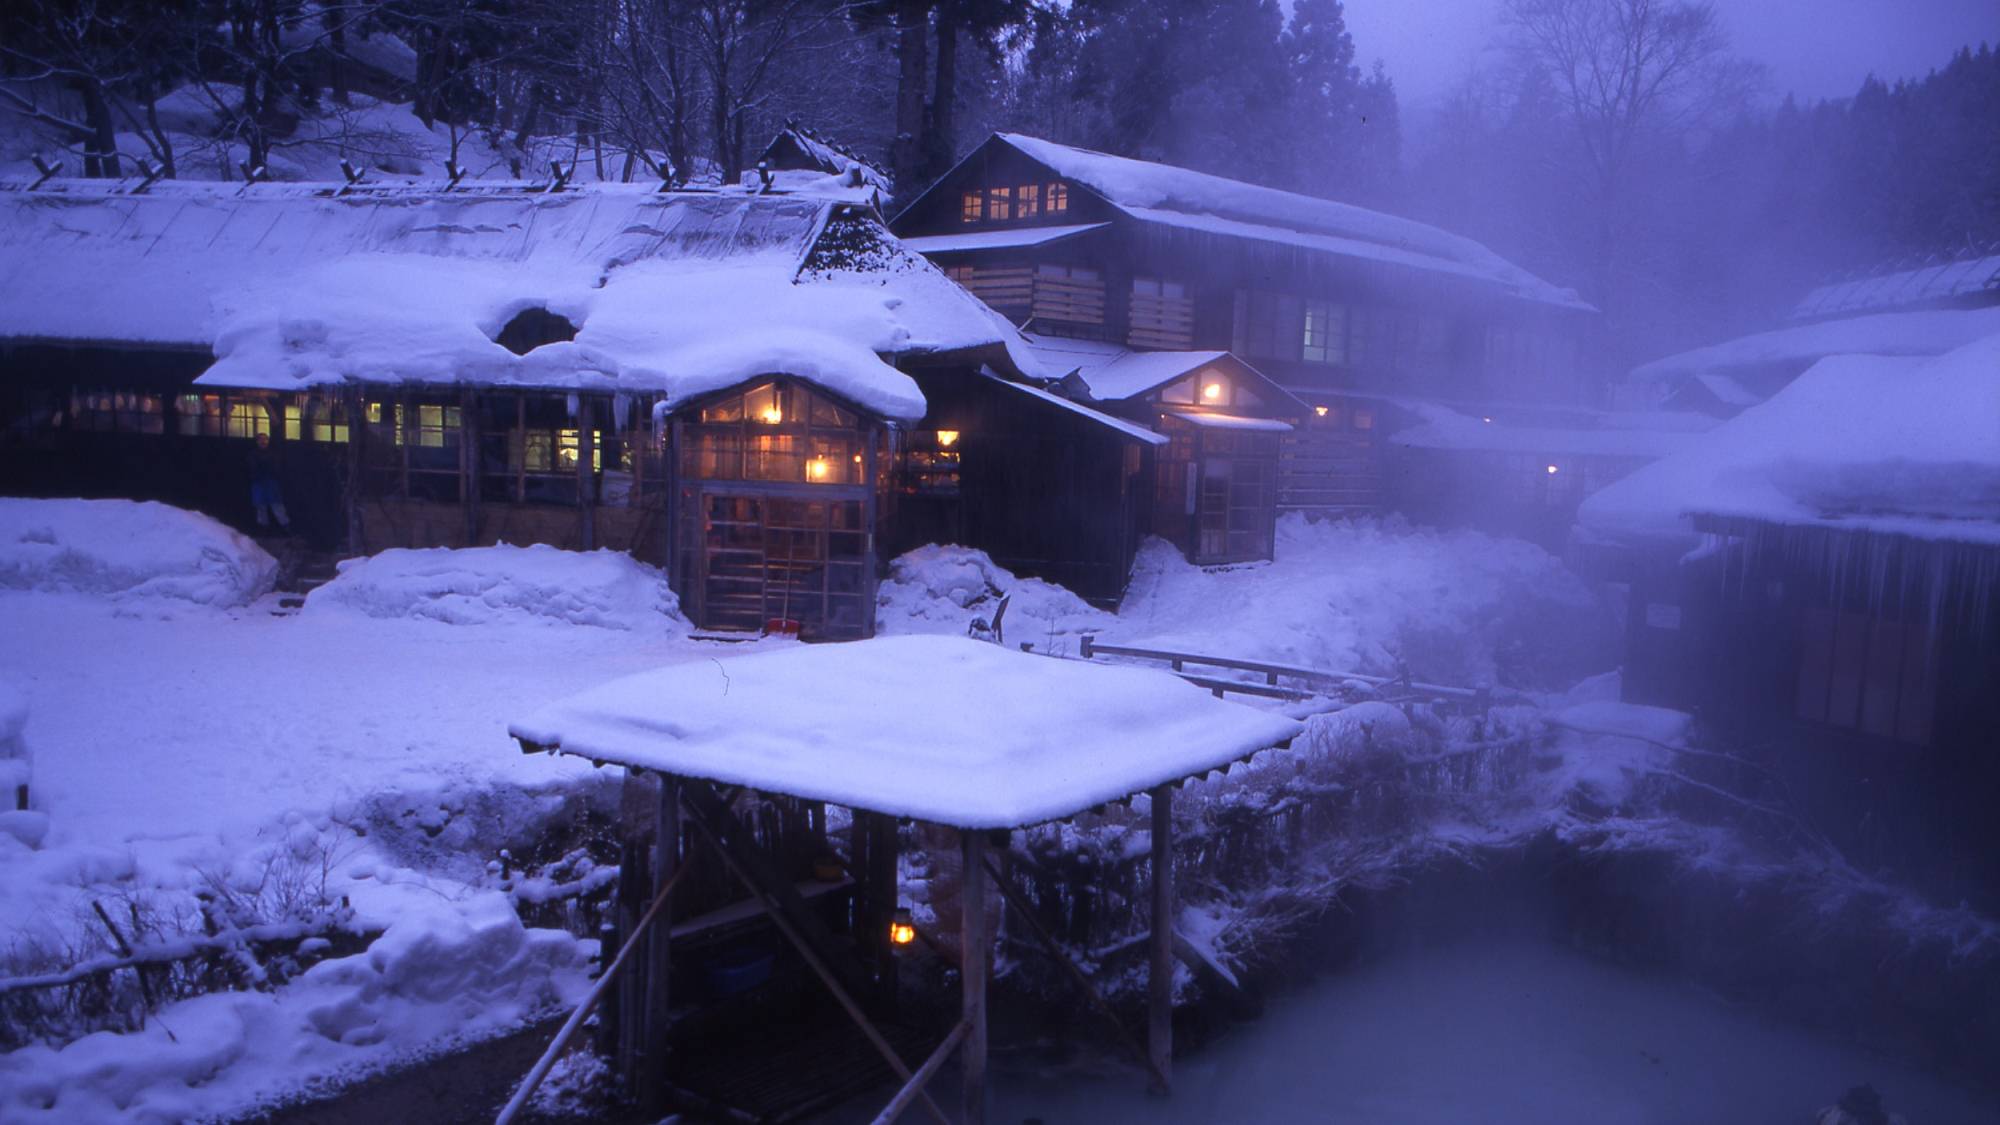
x=883, y=894
x=1160, y=971
x=357, y=435
x=975, y=950
x=468, y=463
x=655, y=1023
x=586, y=451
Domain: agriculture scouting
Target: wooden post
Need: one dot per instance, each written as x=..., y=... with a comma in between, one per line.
x=586, y=450
x=468, y=463
x=974, y=948
x=1160, y=973
x=357, y=433
x=655, y=1024
x=882, y=895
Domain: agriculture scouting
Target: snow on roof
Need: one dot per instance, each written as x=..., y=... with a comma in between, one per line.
x=1886, y=443
x=997, y=239
x=1162, y=193
x=674, y=293
x=1212, y=421
x=1130, y=429
x=1114, y=372
x=1939, y=282
x=1728, y=391
x=1927, y=332
x=944, y=729
x=1647, y=434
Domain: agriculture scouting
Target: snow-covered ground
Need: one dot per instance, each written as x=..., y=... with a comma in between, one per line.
x=180, y=745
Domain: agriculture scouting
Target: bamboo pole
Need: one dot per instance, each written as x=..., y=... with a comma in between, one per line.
x=570, y=1026
x=922, y=1077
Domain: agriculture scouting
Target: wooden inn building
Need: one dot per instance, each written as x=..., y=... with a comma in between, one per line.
x=757, y=387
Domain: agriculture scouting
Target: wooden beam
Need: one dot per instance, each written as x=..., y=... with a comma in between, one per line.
x=779, y=918
x=1160, y=973
x=711, y=814
x=975, y=948
x=655, y=1023
x=586, y=449
x=1025, y=911
x=923, y=1076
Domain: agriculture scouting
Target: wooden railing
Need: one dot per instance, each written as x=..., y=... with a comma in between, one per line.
x=1399, y=686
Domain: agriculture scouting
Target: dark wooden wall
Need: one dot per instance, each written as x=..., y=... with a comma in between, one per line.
x=1043, y=490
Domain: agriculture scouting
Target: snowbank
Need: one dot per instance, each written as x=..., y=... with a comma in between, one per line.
x=1922, y=333
x=1459, y=607
x=489, y=585
x=126, y=549
x=941, y=589
x=1885, y=443
x=441, y=971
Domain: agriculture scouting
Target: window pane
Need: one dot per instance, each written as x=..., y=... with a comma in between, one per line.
x=971, y=207
x=999, y=203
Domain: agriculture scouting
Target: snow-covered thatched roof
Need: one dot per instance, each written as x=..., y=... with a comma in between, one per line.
x=677, y=293
x=1184, y=199
x=1883, y=443
x=1922, y=333
x=1936, y=282
x=993, y=739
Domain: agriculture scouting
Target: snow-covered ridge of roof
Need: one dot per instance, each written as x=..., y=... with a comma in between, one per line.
x=1920, y=333
x=1162, y=193
x=678, y=293
x=1894, y=444
x=1647, y=434
x=1940, y=282
x=936, y=728
x=1004, y=238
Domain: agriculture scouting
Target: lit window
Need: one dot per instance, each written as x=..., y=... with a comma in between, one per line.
x=249, y=420
x=971, y=207
x=436, y=425
x=119, y=411
x=1215, y=392
x=999, y=203
x=1028, y=201
x=1058, y=197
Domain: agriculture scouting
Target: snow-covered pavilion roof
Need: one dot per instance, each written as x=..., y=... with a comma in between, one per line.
x=1114, y=372
x=1183, y=198
x=679, y=293
x=1897, y=444
x=1921, y=333
x=944, y=729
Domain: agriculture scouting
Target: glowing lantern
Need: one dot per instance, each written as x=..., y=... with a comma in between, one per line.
x=1552, y=470
x=818, y=468
x=947, y=438
x=902, y=931
x=1320, y=410
x=1211, y=392
x=772, y=415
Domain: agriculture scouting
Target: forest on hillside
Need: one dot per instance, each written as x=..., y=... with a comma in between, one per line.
x=1677, y=192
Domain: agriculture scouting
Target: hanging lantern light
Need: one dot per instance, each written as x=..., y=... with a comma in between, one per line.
x=947, y=438
x=902, y=929
x=818, y=468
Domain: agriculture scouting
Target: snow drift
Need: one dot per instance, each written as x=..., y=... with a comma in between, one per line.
x=128, y=549
x=504, y=584
x=941, y=589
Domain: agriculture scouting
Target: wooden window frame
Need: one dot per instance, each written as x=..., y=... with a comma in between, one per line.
x=972, y=206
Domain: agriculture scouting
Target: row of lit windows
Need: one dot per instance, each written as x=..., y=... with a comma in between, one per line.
x=1282, y=326
x=1002, y=204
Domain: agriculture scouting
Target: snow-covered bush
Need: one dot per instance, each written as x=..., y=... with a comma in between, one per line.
x=941, y=589
x=18, y=822
x=505, y=584
x=127, y=549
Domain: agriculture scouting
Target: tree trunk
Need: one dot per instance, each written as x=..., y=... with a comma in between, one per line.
x=942, y=140
x=100, y=158
x=906, y=153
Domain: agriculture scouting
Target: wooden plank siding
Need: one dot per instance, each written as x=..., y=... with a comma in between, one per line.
x=1160, y=322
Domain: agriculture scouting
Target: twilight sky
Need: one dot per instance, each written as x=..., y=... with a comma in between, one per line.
x=1814, y=48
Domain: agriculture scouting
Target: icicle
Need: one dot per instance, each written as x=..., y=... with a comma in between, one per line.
x=621, y=411
x=575, y=405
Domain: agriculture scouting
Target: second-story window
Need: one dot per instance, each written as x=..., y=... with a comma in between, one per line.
x=1058, y=198
x=971, y=207
x=1324, y=339
x=1027, y=201
x=999, y=203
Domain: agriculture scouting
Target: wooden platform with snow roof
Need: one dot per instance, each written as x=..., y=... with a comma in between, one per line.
x=968, y=738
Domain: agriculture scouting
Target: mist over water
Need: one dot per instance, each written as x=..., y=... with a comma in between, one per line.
x=1511, y=1032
